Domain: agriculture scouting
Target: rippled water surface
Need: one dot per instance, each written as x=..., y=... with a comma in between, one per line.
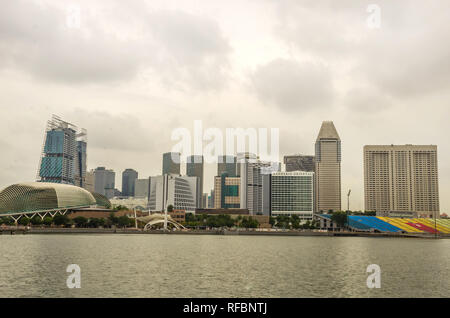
x=221, y=266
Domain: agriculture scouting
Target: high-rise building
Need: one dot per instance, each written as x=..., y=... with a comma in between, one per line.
x=299, y=163
x=328, y=169
x=292, y=193
x=104, y=182
x=81, y=162
x=226, y=192
x=90, y=181
x=226, y=164
x=251, y=174
x=401, y=178
x=129, y=177
x=63, y=158
x=171, y=163
x=142, y=188
x=178, y=191
x=194, y=168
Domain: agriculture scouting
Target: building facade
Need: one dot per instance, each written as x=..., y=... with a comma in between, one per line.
x=251, y=175
x=401, y=178
x=129, y=177
x=226, y=164
x=175, y=190
x=227, y=192
x=105, y=182
x=194, y=168
x=142, y=188
x=299, y=163
x=63, y=158
x=171, y=163
x=328, y=169
x=292, y=193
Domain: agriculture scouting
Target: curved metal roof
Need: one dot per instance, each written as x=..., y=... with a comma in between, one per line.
x=42, y=196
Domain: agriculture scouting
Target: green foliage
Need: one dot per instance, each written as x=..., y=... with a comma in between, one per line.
x=80, y=221
x=48, y=220
x=125, y=221
x=121, y=208
x=113, y=219
x=340, y=218
x=249, y=223
x=6, y=220
x=61, y=220
x=36, y=220
x=170, y=208
x=24, y=221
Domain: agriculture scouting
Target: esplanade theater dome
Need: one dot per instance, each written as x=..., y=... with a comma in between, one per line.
x=42, y=196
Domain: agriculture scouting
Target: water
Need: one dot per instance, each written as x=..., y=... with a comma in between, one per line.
x=222, y=266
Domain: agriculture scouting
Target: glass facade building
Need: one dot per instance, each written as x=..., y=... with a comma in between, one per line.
x=292, y=193
x=129, y=177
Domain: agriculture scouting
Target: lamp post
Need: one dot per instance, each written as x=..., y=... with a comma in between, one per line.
x=348, y=199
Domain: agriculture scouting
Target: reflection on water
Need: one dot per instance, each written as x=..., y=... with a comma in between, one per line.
x=222, y=266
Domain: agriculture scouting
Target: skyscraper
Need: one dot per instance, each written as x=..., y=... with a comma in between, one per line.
x=251, y=188
x=128, y=179
x=194, y=168
x=63, y=158
x=299, y=163
x=226, y=192
x=104, y=182
x=328, y=169
x=171, y=163
x=401, y=178
x=226, y=164
x=81, y=164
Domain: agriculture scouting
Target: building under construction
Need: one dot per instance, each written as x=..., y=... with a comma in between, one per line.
x=63, y=158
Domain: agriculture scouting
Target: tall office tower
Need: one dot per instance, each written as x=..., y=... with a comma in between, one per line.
x=104, y=182
x=90, y=181
x=205, y=200
x=243, y=157
x=194, y=168
x=178, y=191
x=226, y=164
x=251, y=174
x=292, y=193
x=226, y=192
x=81, y=161
x=299, y=163
x=328, y=169
x=129, y=176
x=401, y=178
x=211, y=199
x=142, y=188
x=63, y=158
x=171, y=163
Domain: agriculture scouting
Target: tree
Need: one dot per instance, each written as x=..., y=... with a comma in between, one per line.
x=340, y=218
x=170, y=208
x=114, y=220
x=123, y=221
x=36, y=220
x=80, y=221
x=60, y=219
x=24, y=221
x=249, y=223
x=48, y=220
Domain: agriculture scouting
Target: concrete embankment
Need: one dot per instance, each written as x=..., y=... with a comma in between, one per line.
x=212, y=232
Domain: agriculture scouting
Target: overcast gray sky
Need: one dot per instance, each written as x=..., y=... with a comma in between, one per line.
x=134, y=70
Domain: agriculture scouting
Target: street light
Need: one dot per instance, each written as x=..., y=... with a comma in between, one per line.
x=348, y=199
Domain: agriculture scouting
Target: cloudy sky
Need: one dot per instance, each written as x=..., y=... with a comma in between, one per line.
x=131, y=72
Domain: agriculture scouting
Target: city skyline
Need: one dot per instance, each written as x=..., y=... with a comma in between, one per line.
x=261, y=74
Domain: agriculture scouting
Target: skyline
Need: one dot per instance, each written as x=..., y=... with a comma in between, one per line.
x=369, y=82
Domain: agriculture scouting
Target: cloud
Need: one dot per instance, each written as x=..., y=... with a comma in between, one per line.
x=293, y=86
x=179, y=48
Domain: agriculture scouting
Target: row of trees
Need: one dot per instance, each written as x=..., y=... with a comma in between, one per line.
x=217, y=221
x=79, y=221
x=291, y=222
x=341, y=217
